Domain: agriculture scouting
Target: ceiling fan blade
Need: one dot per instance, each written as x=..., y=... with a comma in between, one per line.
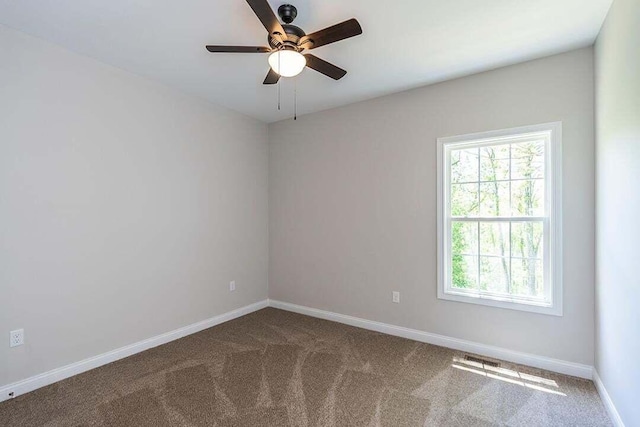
x=238, y=49
x=265, y=14
x=324, y=67
x=272, y=77
x=332, y=34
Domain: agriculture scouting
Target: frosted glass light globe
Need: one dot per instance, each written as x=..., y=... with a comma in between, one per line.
x=287, y=63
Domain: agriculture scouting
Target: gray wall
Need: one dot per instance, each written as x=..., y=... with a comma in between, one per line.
x=618, y=207
x=125, y=207
x=352, y=204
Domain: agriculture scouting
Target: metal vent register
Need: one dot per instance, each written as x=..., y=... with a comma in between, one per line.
x=483, y=361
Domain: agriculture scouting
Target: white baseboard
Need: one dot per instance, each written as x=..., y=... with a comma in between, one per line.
x=606, y=400
x=549, y=364
x=50, y=377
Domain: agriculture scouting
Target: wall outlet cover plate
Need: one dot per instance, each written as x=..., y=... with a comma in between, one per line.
x=16, y=337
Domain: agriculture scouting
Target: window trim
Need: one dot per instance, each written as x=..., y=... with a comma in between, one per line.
x=553, y=218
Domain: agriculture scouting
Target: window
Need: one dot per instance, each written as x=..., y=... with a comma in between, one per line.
x=499, y=218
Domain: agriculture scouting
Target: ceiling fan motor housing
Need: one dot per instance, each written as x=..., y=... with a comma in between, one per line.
x=293, y=33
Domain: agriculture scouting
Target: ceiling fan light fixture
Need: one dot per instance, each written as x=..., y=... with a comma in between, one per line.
x=287, y=63
x=289, y=41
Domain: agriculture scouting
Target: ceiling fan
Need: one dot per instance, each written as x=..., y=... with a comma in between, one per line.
x=287, y=43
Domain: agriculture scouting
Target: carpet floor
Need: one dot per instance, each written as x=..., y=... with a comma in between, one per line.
x=275, y=368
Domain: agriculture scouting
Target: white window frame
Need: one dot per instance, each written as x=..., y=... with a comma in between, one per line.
x=552, y=220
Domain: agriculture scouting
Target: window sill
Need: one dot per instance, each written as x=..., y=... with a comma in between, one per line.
x=486, y=300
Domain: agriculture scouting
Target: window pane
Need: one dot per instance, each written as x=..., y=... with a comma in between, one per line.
x=494, y=199
x=464, y=272
x=527, y=239
x=464, y=165
x=527, y=278
x=494, y=274
x=494, y=163
x=497, y=210
x=527, y=198
x=494, y=239
x=527, y=160
x=464, y=238
x=464, y=200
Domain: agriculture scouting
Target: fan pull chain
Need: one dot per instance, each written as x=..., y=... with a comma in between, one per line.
x=279, y=79
x=295, y=98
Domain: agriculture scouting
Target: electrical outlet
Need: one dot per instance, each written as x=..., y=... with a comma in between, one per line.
x=16, y=337
x=396, y=297
x=232, y=286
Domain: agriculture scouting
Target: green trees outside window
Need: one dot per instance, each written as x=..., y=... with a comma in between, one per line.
x=490, y=183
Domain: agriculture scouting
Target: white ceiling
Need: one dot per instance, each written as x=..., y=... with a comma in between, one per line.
x=405, y=43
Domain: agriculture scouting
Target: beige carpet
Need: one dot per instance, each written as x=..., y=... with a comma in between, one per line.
x=274, y=368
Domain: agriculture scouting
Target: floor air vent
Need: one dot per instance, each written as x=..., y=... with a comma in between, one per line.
x=483, y=361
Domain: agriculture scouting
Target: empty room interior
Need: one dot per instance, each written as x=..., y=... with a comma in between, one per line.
x=320, y=213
